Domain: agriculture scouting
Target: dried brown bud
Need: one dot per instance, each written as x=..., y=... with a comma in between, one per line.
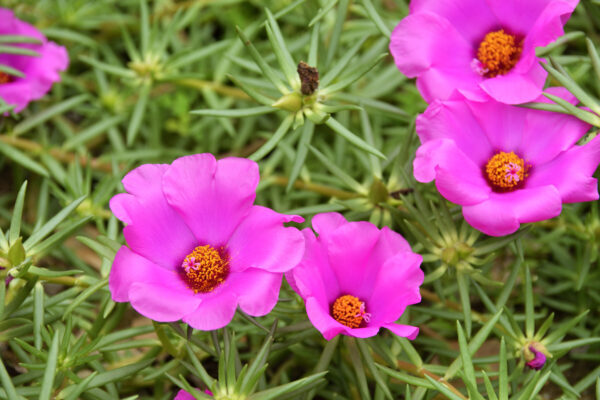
x=309, y=77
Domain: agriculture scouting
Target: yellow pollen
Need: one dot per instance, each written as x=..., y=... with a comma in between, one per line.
x=5, y=78
x=499, y=52
x=350, y=311
x=506, y=171
x=205, y=268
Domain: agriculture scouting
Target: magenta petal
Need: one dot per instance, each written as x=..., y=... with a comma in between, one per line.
x=516, y=88
x=460, y=14
x=129, y=268
x=161, y=302
x=397, y=286
x=321, y=319
x=547, y=134
x=211, y=196
x=325, y=223
x=442, y=83
x=183, y=395
x=503, y=213
x=571, y=173
x=348, y=256
x=154, y=230
x=214, y=312
x=416, y=47
x=313, y=277
x=455, y=120
x=521, y=16
x=457, y=178
x=40, y=72
x=407, y=331
x=261, y=241
x=257, y=290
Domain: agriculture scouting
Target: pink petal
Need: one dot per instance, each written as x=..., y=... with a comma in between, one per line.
x=504, y=212
x=349, y=248
x=416, y=47
x=313, y=277
x=154, y=230
x=319, y=316
x=183, y=395
x=214, y=312
x=325, y=223
x=407, y=331
x=163, y=302
x=321, y=319
x=40, y=72
x=129, y=268
x=261, y=241
x=455, y=120
x=503, y=124
x=571, y=173
x=524, y=16
x=515, y=87
x=396, y=286
x=457, y=178
x=460, y=13
x=257, y=290
x=547, y=134
x=212, y=197
x=441, y=83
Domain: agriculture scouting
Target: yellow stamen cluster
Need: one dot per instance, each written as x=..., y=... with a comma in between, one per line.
x=499, y=52
x=5, y=78
x=348, y=310
x=205, y=268
x=506, y=171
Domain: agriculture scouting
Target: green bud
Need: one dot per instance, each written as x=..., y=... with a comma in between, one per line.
x=317, y=117
x=289, y=102
x=16, y=253
x=378, y=192
x=464, y=250
x=450, y=256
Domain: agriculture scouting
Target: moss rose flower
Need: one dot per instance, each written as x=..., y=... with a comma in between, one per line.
x=482, y=48
x=40, y=72
x=198, y=246
x=355, y=278
x=506, y=165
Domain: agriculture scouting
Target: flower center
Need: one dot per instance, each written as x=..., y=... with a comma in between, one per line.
x=5, y=78
x=205, y=268
x=498, y=53
x=506, y=171
x=350, y=311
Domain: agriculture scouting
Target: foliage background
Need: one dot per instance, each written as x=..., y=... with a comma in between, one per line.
x=137, y=71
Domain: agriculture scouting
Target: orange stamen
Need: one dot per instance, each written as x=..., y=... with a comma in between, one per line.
x=498, y=53
x=205, y=268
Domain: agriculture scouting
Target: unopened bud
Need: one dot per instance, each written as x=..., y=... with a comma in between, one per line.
x=535, y=355
x=289, y=102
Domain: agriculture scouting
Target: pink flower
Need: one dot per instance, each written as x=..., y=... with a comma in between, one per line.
x=537, y=361
x=482, y=48
x=355, y=278
x=40, y=72
x=183, y=395
x=198, y=247
x=506, y=165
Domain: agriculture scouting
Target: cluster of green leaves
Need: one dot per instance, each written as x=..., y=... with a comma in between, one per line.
x=150, y=81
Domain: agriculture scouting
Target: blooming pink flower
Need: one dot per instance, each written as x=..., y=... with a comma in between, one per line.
x=198, y=247
x=40, y=72
x=355, y=278
x=506, y=165
x=183, y=395
x=482, y=48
